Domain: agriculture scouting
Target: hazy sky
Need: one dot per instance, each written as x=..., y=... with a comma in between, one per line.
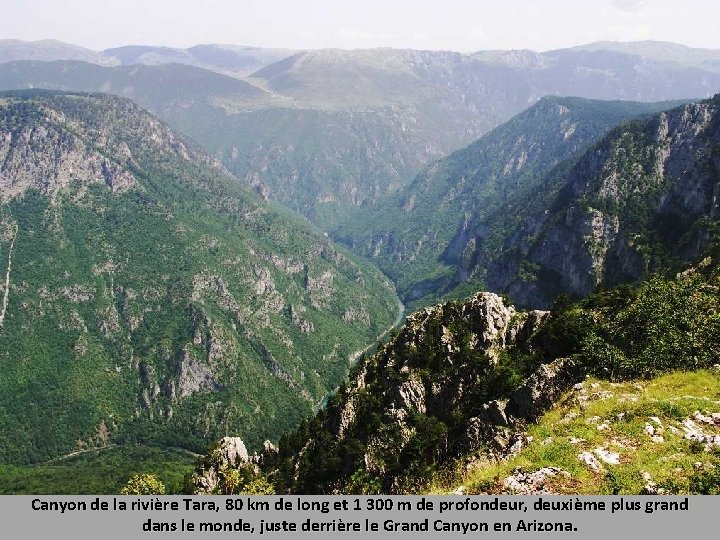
x=462, y=25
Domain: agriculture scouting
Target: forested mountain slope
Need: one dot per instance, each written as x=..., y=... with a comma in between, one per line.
x=148, y=295
x=423, y=236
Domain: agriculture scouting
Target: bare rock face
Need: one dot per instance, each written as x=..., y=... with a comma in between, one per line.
x=229, y=453
x=494, y=413
x=303, y=324
x=63, y=158
x=193, y=377
x=412, y=396
x=270, y=448
x=496, y=441
x=543, y=388
x=346, y=418
x=232, y=451
x=666, y=162
x=496, y=315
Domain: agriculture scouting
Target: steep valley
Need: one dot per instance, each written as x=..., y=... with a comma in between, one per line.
x=560, y=199
x=423, y=236
x=593, y=396
x=479, y=397
x=230, y=266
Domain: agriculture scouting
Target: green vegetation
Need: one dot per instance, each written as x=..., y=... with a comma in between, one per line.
x=416, y=399
x=99, y=471
x=143, y=484
x=627, y=408
x=628, y=333
x=170, y=312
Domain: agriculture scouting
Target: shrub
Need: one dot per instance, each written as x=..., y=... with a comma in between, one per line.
x=143, y=484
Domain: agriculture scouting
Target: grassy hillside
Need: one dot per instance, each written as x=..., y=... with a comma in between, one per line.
x=643, y=423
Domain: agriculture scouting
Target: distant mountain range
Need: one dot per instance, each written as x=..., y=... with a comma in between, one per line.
x=234, y=60
x=243, y=60
x=325, y=131
x=47, y=50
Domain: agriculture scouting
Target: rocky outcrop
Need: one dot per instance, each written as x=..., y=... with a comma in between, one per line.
x=522, y=482
x=229, y=453
x=297, y=319
x=192, y=377
x=498, y=430
x=543, y=389
x=420, y=391
x=47, y=157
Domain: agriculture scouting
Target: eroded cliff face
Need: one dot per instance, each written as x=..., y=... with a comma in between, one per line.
x=645, y=196
x=47, y=144
x=472, y=213
x=23, y=168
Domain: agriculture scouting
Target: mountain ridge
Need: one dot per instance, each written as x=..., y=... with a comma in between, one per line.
x=420, y=236
x=349, y=128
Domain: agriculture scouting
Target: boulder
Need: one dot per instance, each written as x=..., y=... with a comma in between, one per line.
x=523, y=482
x=232, y=451
x=543, y=388
x=493, y=412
